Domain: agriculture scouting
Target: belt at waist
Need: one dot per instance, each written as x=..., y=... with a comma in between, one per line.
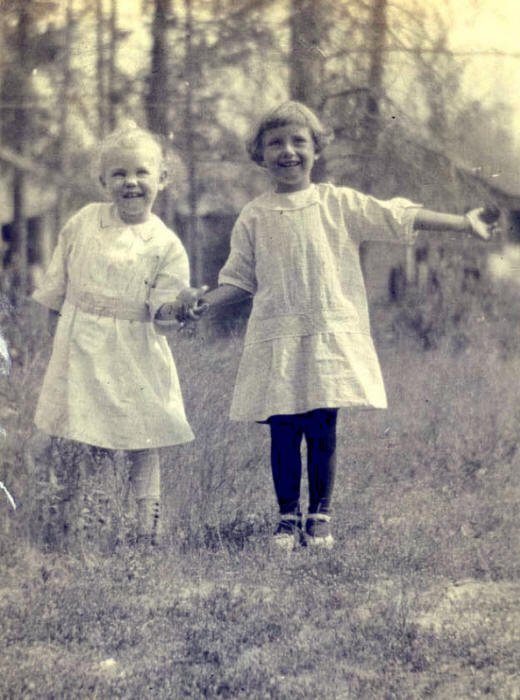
x=100, y=305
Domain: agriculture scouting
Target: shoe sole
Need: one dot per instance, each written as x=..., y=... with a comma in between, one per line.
x=285, y=542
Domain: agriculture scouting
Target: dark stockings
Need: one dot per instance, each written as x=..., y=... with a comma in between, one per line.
x=287, y=431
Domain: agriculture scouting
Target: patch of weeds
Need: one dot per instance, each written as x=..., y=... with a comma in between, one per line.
x=238, y=644
x=235, y=534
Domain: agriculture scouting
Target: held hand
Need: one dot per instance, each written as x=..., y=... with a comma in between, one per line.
x=483, y=221
x=188, y=306
x=167, y=315
x=192, y=303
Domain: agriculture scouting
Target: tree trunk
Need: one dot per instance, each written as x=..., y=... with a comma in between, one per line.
x=156, y=100
x=306, y=58
x=193, y=243
x=19, y=137
x=64, y=107
x=378, y=30
x=100, y=70
x=306, y=61
x=111, y=72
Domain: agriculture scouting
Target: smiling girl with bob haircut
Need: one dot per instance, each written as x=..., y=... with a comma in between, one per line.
x=308, y=349
x=288, y=113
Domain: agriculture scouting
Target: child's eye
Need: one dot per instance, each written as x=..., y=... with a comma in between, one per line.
x=118, y=173
x=274, y=142
x=143, y=172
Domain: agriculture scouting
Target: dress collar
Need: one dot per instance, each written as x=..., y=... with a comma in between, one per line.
x=283, y=201
x=108, y=216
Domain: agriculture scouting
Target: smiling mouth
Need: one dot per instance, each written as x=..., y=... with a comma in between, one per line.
x=292, y=164
x=132, y=195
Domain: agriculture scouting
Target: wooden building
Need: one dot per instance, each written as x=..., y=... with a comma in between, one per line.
x=38, y=215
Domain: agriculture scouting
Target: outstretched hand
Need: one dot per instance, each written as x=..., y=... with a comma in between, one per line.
x=484, y=221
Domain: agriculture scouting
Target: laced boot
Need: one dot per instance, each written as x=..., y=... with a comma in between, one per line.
x=318, y=531
x=148, y=513
x=288, y=534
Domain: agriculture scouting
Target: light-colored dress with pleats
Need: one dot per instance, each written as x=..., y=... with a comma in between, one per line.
x=111, y=379
x=308, y=343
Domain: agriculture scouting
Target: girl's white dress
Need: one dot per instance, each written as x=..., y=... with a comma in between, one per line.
x=111, y=380
x=308, y=343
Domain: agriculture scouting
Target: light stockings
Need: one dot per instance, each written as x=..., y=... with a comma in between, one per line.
x=145, y=478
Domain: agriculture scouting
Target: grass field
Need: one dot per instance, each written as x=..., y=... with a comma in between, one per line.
x=419, y=598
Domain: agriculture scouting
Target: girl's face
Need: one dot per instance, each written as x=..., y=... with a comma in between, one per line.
x=132, y=176
x=289, y=156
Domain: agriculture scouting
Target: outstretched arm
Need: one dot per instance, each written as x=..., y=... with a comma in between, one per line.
x=224, y=294
x=480, y=222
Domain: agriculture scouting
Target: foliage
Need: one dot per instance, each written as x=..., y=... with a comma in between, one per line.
x=110, y=65
x=457, y=298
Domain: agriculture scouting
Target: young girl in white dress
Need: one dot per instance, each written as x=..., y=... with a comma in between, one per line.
x=111, y=381
x=308, y=349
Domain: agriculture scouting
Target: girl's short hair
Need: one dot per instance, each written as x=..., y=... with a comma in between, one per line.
x=126, y=136
x=290, y=112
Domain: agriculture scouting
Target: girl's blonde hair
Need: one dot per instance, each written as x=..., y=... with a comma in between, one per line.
x=290, y=112
x=125, y=136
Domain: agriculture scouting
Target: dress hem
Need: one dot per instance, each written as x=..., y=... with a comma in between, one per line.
x=339, y=405
x=104, y=446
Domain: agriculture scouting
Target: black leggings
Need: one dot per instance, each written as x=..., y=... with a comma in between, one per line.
x=287, y=431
